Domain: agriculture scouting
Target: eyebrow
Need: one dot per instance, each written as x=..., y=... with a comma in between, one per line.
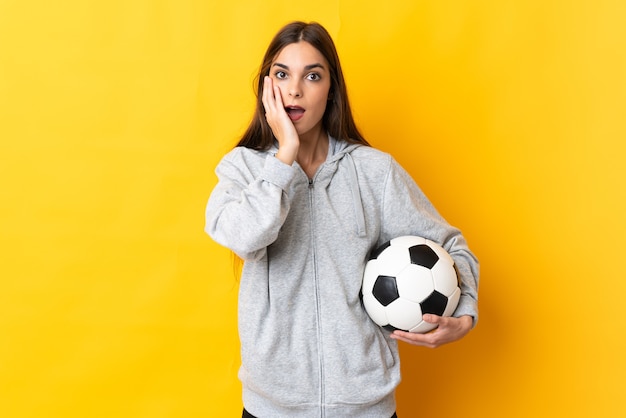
x=306, y=68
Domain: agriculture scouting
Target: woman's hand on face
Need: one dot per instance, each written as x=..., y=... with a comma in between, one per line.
x=448, y=329
x=279, y=122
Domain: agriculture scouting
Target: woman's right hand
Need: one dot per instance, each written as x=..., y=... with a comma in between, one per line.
x=279, y=122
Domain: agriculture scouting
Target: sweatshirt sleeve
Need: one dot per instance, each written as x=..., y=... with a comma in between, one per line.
x=406, y=210
x=246, y=211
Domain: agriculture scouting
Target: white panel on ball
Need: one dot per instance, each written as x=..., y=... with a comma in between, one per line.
x=404, y=314
x=375, y=310
x=415, y=283
x=444, y=276
x=453, y=301
x=369, y=275
x=392, y=260
x=423, y=327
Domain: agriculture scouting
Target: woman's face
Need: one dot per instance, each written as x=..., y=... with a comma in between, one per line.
x=302, y=74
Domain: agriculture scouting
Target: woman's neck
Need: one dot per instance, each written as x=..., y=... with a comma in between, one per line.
x=312, y=152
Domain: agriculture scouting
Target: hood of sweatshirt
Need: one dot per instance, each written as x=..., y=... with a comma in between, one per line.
x=339, y=155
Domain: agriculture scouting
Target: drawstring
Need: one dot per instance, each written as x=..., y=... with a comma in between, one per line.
x=356, y=197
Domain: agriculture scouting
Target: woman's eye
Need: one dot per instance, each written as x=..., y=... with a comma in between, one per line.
x=313, y=77
x=280, y=75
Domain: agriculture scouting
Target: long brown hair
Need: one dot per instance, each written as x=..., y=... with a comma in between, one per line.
x=337, y=119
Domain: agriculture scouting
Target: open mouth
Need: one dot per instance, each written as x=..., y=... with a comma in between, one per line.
x=294, y=112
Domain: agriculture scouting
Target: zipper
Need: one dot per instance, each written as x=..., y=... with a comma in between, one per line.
x=317, y=299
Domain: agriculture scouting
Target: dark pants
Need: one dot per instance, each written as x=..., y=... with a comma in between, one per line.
x=247, y=414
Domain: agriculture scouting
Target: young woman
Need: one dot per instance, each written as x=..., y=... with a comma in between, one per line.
x=302, y=200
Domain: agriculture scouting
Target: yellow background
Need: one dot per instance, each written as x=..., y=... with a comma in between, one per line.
x=113, y=114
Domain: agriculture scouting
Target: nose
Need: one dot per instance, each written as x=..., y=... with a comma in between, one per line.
x=294, y=89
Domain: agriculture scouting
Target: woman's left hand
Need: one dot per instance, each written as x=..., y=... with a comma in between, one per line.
x=448, y=329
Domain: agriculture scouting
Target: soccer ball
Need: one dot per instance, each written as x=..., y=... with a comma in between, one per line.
x=407, y=277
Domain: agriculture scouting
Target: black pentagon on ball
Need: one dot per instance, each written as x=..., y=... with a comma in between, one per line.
x=376, y=252
x=435, y=303
x=391, y=328
x=385, y=290
x=423, y=255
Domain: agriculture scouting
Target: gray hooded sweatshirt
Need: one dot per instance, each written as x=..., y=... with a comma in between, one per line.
x=308, y=348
